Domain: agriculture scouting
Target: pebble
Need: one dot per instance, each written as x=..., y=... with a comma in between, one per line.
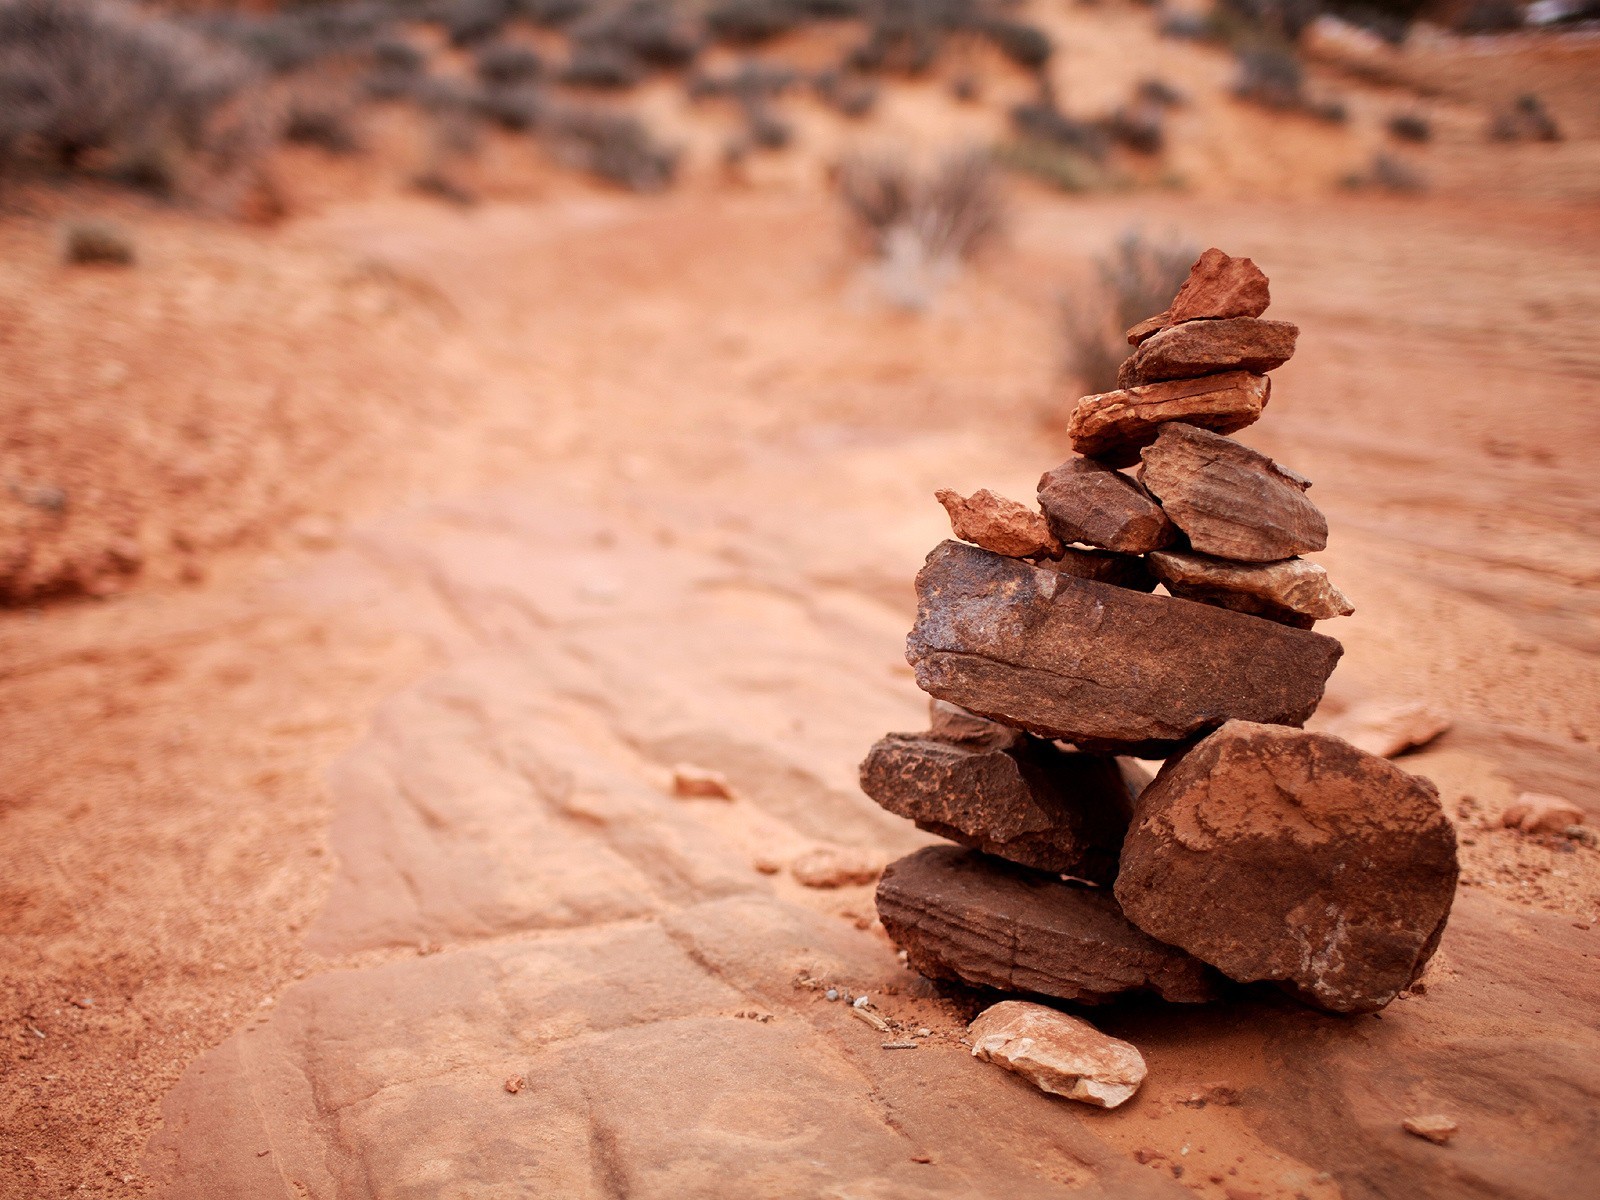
x=861, y=1001
x=833, y=993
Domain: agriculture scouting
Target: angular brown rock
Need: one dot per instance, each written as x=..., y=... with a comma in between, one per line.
x=1031, y=803
x=1059, y=1054
x=1293, y=592
x=1232, y=501
x=1104, y=566
x=1277, y=854
x=951, y=723
x=998, y=524
x=964, y=916
x=1087, y=501
x=1112, y=426
x=1105, y=667
x=1197, y=348
x=1218, y=286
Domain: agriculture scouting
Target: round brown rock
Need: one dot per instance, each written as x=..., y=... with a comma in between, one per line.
x=1277, y=854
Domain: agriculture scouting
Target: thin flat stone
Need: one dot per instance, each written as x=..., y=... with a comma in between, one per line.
x=1197, y=348
x=1113, y=426
x=1294, y=591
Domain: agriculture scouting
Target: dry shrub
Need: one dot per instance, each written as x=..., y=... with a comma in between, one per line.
x=90, y=85
x=97, y=242
x=324, y=118
x=1138, y=279
x=617, y=147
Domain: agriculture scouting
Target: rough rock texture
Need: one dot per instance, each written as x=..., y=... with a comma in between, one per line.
x=1219, y=285
x=1232, y=501
x=1387, y=728
x=951, y=723
x=1197, y=348
x=1086, y=501
x=1277, y=854
x=965, y=916
x=1062, y=1055
x=1104, y=667
x=1293, y=592
x=1112, y=426
x=998, y=524
x=1535, y=812
x=1104, y=566
x=836, y=866
x=1031, y=803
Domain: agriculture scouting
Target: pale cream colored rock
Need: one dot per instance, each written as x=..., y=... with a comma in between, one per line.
x=836, y=866
x=1387, y=728
x=1062, y=1055
x=1536, y=812
x=1294, y=591
x=690, y=781
x=1436, y=1127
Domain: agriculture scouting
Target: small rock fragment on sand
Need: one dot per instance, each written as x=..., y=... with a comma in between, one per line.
x=690, y=781
x=1294, y=592
x=1062, y=1055
x=836, y=866
x=1387, y=728
x=1537, y=812
x=1435, y=1127
x=1089, y=502
x=768, y=866
x=1277, y=854
x=1232, y=501
x=999, y=524
x=1210, y=347
x=1112, y=426
x=515, y=1084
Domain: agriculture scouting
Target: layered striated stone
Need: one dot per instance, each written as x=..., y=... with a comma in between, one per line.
x=964, y=916
x=998, y=524
x=1277, y=854
x=1219, y=285
x=951, y=723
x=1107, y=668
x=1232, y=502
x=1089, y=502
x=1197, y=348
x=1031, y=802
x=1294, y=592
x=1104, y=566
x=1059, y=1054
x=1113, y=426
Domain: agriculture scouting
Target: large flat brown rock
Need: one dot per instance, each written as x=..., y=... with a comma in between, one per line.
x=1031, y=803
x=1277, y=854
x=1104, y=667
x=1197, y=348
x=964, y=916
x=1232, y=501
x=1112, y=426
x=1089, y=502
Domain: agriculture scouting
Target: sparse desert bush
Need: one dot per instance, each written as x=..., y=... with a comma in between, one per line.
x=1489, y=16
x=602, y=66
x=750, y=22
x=1138, y=279
x=1270, y=76
x=96, y=242
x=519, y=109
x=965, y=88
x=1387, y=173
x=1410, y=127
x=505, y=64
x=1026, y=45
x=1139, y=126
x=1042, y=122
x=765, y=128
x=471, y=22
x=399, y=56
x=441, y=185
x=649, y=31
x=1159, y=91
x=89, y=85
x=551, y=14
x=1526, y=120
x=1058, y=166
x=617, y=147
x=322, y=118
x=848, y=94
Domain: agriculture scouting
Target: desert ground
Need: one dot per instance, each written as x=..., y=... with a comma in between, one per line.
x=411, y=545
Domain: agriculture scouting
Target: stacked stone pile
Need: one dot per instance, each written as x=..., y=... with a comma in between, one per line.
x=1259, y=851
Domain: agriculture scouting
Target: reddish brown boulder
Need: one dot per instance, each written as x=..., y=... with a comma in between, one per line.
x=1218, y=286
x=1277, y=854
x=1104, y=566
x=1232, y=501
x=1031, y=802
x=963, y=916
x=1197, y=348
x=1086, y=501
x=1112, y=426
x=998, y=524
x=1105, y=667
x=1295, y=591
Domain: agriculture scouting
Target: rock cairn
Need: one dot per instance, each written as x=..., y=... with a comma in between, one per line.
x=1260, y=852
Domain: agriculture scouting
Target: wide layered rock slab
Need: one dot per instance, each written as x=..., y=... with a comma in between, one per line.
x=1233, y=502
x=1197, y=348
x=1219, y=285
x=964, y=916
x=998, y=524
x=1294, y=592
x=1104, y=566
x=1089, y=502
x=1059, y=1054
x=1113, y=426
x=1032, y=802
x=1277, y=854
x=1107, y=668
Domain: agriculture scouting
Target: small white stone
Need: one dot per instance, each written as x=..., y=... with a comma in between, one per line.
x=1059, y=1054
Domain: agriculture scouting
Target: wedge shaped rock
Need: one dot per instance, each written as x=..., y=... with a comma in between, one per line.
x=1219, y=285
x=964, y=916
x=1197, y=348
x=1057, y=1053
x=1233, y=502
x=1277, y=854
x=1087, y=501
x=998, y=524
x=1104, y=566
x=1031, y=803
x=1112, y=426
x=1107, y=668
x=951, y=723
x=1294, y=592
